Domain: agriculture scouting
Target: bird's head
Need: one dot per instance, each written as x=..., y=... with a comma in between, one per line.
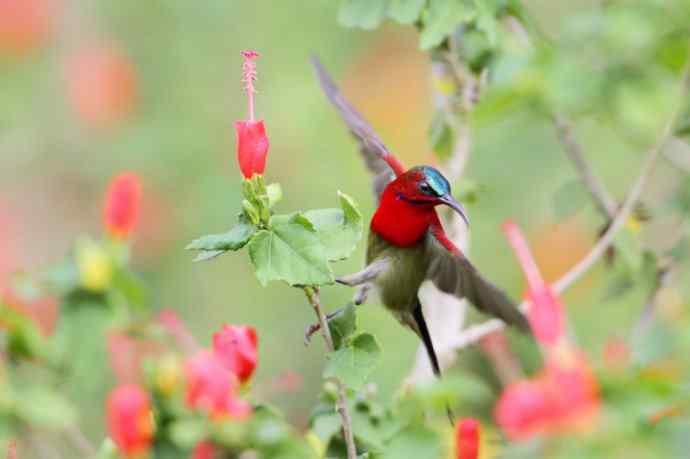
x=426, y=186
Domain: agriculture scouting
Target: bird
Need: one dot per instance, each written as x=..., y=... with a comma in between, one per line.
x=407, y=244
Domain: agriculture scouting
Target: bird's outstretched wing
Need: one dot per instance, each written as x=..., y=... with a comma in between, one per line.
x=454, y=274
x=378, y=159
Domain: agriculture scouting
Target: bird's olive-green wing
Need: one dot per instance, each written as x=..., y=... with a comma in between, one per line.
x=370, y=144
x=455, y=275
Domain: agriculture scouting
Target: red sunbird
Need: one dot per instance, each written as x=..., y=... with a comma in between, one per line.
x=407, y=244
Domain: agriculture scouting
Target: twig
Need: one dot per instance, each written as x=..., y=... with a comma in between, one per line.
x=602, y=198
x=346, y=420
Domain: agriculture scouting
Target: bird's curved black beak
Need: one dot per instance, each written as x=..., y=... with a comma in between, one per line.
x=456, y=206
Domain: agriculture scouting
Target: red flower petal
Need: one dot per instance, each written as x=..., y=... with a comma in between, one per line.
x=252, y=147
x=122, y=205
x=467, y=438
x=204, y=450
x=212, y=389
x=235, y=346
x=129, y=419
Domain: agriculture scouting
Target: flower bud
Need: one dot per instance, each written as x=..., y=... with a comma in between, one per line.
x=130, y=421
x=211, y=388
x=235, y=346
x=95, y=266
x=252, y=147
x=122, y=205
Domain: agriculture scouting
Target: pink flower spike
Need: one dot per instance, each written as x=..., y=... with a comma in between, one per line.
x=545, y=314
x=524, y=256
x=249, y=77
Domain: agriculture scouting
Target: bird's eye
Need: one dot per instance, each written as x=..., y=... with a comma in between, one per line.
x=425, y=188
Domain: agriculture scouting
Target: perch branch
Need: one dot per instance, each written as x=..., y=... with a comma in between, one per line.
x=346, y=420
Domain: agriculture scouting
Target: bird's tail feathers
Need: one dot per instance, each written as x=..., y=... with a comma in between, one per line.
x=420, y=327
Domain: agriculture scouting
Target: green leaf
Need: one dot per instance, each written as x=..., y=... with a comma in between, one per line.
x=326, y=426
x=343, y=325
x=414, y=442
x=215, y=244
x=290, y=251
x=339, y=230
x=441, y=135
x=441, y=20
x=353, y=363
x=569, y=199
x=486, y=19
x=405, y=11
x=366, y=14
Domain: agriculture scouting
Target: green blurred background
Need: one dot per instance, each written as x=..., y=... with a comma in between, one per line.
x=180, y=139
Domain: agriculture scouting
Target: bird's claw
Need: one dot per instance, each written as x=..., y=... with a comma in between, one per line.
x=311, y=329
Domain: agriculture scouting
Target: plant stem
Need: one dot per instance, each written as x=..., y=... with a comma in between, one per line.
x=345, y=418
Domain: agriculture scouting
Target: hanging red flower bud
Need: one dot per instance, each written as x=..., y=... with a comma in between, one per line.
x=212, y=388
x=546, y=311
x=467, y=438
x=252, y=147
x=235, y=346
x=122, y=204
x=129, y=420
x=252, y=143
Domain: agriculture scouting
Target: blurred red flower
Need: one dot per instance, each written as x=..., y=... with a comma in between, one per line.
x=545, y=313
x=102, y=86
x=130, y=421
x=252, y=142
x=24, y=24
x=467, y=438
x=122, y=205
x=212, y=388
x=562, y=398
x=235, y=346
x=204, y=450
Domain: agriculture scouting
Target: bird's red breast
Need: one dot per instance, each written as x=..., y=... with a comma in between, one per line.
x=399, y=221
